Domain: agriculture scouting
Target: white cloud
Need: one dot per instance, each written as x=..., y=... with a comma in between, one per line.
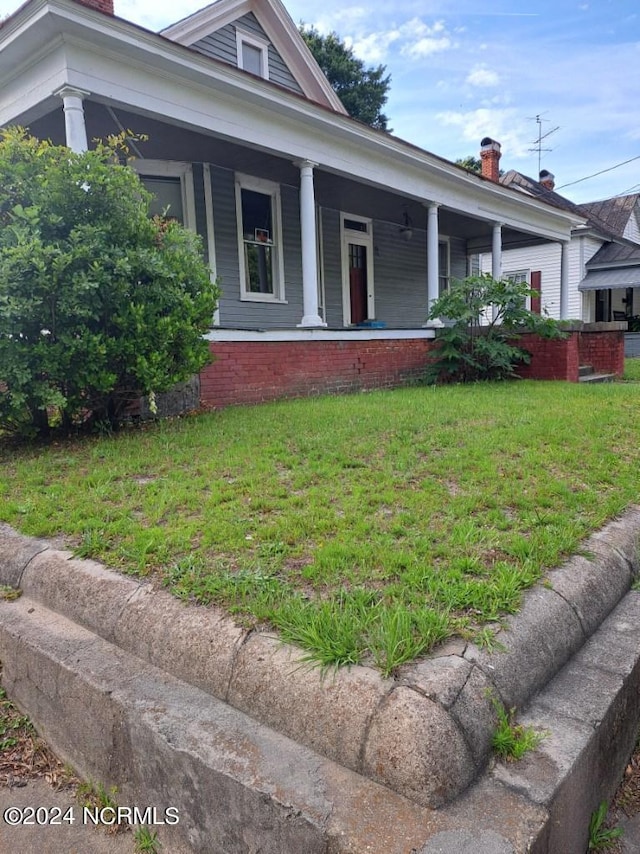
x=374, y=47
x=501, y=124
x=414, y=39
x=423, y=40
x=480, y=75
x=340, y=21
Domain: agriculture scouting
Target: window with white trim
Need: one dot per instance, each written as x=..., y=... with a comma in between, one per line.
x=518, y=277
x=259, y=239
x=171, y=184
x=253, y=54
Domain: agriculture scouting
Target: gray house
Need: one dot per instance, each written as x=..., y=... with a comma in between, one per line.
x=330, y=239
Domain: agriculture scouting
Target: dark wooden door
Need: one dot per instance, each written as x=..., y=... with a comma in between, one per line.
x=358, y=282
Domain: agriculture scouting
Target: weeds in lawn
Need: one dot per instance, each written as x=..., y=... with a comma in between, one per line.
x=602, y=837
x=447, y=501
x=330, y=631
x=511, y=741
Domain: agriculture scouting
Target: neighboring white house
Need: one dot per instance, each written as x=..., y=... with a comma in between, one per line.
x=603, y=254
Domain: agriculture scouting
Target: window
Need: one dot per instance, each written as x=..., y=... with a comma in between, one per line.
x=259, y=241
x=253, y=54
x=167, y=192
x=518, y=277
x=171, y=183
x=443, y=267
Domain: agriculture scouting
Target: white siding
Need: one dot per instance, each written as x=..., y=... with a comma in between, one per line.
x=546, y=259
x=632, y=229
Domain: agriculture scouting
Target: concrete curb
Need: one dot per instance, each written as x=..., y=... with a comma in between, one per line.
x=425, y=734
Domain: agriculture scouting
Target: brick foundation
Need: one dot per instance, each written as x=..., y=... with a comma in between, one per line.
x=253, y=371
x=257, y=371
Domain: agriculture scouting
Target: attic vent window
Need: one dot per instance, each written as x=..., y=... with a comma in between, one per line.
x=253, y=54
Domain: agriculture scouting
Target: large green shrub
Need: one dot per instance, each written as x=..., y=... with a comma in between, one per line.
x=99, y=302
x=478, y=342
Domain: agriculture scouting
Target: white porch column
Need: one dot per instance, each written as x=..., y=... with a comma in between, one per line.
x=309, y=247
x=75, y=128
x=496, y=257
x=564, y=280
x=433, y=264
x=496, y=251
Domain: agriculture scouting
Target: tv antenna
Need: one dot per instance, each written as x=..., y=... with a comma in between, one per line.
x=541, y=136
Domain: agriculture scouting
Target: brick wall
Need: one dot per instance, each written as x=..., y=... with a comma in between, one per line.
x=551, y=358
x=560, y=359
x=251, y=372
x=603, y=350
x=105, y=6
x=254, y=371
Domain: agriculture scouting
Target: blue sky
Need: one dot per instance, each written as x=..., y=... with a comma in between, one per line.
x=461, y=70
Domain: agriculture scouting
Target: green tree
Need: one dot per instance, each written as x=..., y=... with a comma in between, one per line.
x=99, y=303
x=363, y=91
x=478, y=342
x=474, y=164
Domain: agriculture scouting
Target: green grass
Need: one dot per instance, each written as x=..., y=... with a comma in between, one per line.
x=632, y=370
x=512, y=741
x=601, y=837
x=366, y=527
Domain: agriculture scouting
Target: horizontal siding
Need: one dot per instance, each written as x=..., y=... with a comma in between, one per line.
x=632, y=229
x=458, y=258
x=222, y=45
x=332, y=267
x=400, y=276
x=546, y=259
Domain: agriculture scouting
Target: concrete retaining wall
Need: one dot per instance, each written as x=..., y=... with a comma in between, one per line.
x=126, y=680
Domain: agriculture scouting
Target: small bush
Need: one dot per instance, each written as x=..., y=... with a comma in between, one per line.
x=482, y=314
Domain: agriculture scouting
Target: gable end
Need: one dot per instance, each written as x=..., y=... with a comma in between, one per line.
x=224, y=44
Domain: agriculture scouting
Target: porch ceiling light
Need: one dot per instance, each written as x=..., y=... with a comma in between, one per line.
x=406, y=229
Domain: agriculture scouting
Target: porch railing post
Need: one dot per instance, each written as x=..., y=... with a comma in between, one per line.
x=74, y=123
x=309, y=247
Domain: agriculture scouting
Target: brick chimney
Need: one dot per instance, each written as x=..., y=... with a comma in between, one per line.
x=490, y=158
x=547, y=179
x=105, y=6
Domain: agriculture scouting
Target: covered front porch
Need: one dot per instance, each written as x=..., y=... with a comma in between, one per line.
x=296, y=244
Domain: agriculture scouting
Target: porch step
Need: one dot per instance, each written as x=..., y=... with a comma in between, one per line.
x=586, y=374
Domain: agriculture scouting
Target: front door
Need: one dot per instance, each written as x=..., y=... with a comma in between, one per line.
x=357, y=269
x=358, y=282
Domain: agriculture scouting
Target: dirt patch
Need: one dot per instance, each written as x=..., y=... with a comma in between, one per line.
x=24, y=756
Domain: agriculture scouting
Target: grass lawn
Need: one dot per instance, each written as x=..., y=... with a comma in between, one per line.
x=366, y=527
